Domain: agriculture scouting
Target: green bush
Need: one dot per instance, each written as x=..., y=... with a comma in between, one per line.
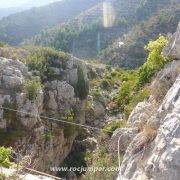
x=32, y=88
x=111, y=127
x=5, y=157
x=69, y=129
x=145, y=74
x=126, y=90
x=48, y=135
x=41, y=59
x=133, y=90
x=2, y=176
x=105, y=84
x=135, y=99
x=2, y=44
x=100, y=158
x=97, y=95
x=82, y=87
x=155, y=61
x=92, y=74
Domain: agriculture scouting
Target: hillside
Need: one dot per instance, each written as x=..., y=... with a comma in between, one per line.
x=138, y=108
x=15, y=8
x=17, y=27
x=132, y=54
x=8, y=11
x=95, y=34
x=81, y=119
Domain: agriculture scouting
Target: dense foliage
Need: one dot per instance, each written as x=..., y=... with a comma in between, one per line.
x=112, y=126
x=5, y=157
x=41, y=59
x=132, y=53
x=133, y=88
x=85, y=36
x=82, y=87
x=63, y=37
x=155, y=61
x=17, y=27
x=32, y=88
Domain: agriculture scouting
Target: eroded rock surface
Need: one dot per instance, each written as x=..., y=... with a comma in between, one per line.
x=44, y=141
x=154, y=153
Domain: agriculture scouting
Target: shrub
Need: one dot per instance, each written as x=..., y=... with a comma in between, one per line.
x=155, y=61
x=97, y=95
x=108, y=68
x=32, y=88
x=4, y=157
x=101, y=159
x=69, y=129
x=145, y=74
x=48, y=136
x=126, y=90
x=112, y=126
x=105, y=84
x=140, y=96
x=92, y=74
x=82, y=87
x=133, y=90
x=2, y=44
x=41, y=59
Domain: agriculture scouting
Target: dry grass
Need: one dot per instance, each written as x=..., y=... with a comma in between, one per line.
x=150, y=131
x=159, y=90
x=13, y=53
x=147, y=135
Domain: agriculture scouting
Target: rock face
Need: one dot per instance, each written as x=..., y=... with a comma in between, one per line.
x=173, y=47
x=124, y=136
x=44, y=141
x=154, y=153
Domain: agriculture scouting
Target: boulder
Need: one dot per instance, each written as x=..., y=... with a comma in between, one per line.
x=61, y=95
x=12, y=73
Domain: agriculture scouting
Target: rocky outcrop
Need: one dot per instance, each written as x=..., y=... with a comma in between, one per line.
x=124, y=136
x=154, y=152
x=173, y=48
x=23, y=119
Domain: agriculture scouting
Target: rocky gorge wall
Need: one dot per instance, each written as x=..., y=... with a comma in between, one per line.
x=22, y=123
x=154, y=151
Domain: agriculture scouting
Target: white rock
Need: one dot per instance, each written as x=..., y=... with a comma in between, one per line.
x=124, y=136
x=161, y=160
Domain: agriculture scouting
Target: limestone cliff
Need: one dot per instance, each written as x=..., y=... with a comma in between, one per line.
x=154, y=152
x=24, y=107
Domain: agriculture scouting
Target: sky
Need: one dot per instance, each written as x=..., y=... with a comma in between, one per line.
x=17, y=3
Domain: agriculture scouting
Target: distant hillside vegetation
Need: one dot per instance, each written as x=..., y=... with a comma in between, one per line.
x=93, y=29
x=17, y=27
x=135, y=23
x=132, y=54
